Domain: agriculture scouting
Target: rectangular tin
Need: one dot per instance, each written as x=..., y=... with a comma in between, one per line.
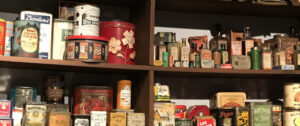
x=164, y=114
x=291, y=99
x=207, y=64
x=98, y=118
x=135, y=119
x=5, y=109
x=2, y=36
x=80, y=120
x=8, y=37
x=228, y=99
x=161, y=92
x=59, y=119
x=242, y=116
x=261, y=114
x=117, y=119
x=35, y=114
x=6, y=122
x=17, y=116
x=241, y=62
x=204, y=121
x=45, y=19
x=276, y=115
x=224, y=117
x=290, y=117
x=183, y=122
x=57, y=108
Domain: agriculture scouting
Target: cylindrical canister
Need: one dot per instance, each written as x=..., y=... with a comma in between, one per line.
x=21, y=94
x=165, y=59
x=121, y=36
x=61, y=30
x=255, y=58
x=291, y=117
x=2, y=36
x=292, y=95
x=86, y=20
x=92, y=98
x=26, y=39
x=87, y=48
x=124, y=94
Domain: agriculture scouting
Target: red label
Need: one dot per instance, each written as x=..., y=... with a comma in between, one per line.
x=2, y=37
x=5, y=109
x=205, y=122
x=5, y=122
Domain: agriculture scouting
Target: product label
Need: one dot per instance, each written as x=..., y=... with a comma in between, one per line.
x=54, y=93
x=241, y=62
x=117, y=119
x=22, y=96
x=125, y=96
x=98, y=119
x=5, y=109
x=205, y=54
x=86, y=21
x=207, y=64
x=37, y=18
x=83, y=50
x=174, y=53
x=236, y=47
x=136, y=119
x=104, y=49
x=291, y=118
x=262, y=115
x=205, y=122
x=71, y=51
x=267, y=61
x=8, y=37
x=97, y=51
x=225, y=57
x=77, y=50
x=6, y=122
x=282, y=58
x=184, y=53
x=81, y=122
x=65, y=33
x=231, y=100
x=292, y=96
x=35, y=115
x=162, y=92
x=248, y=45
x=62, y=119
x=243, y=118
x=29, y=40
x=217, y=58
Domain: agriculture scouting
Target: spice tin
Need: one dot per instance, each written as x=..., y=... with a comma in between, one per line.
x=2, y=36
x=196, y=110
x=59, y=119
x=117, y=119
x=180, y=111
x=80, y=120
x=161, y=92
x=98, y=118
x=92, y=98
x=121, y=36
x=6, y=122
x=241, y=62
x=86, y=20
x=135, y=119
x=26, y=39
x=61, y=30
x=5, y=109
x=45, y=37
x=228, y=99
x=291, y=117
x=242, y=116
x=60, y=108
x=124, y=94
x=164, y=114
x=292, y=95
x=183, y=122
x=276, y=115
x=87, y=48
x=8, y=37
x=261, y=114
x=224, y=117
x=17, y=116
x=34, y=115
x=21, y=94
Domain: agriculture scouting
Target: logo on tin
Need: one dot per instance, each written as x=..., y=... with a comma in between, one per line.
x=38, y=18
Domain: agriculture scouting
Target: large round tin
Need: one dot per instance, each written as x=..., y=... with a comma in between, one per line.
x=121, y=36
x=21, y=94
x=2, y=36
x=86, y=20
x=292, y=95
x=87, y=48
x=92, y=98
x=291, y=117
x=26, y=39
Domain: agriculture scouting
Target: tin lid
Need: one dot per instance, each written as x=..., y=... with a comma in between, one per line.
x=2, y=20
x=117, y=24
x=99, y=38
x=94, y=87
x=63, y=20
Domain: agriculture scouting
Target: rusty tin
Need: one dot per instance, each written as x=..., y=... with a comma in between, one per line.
x=35, y=114
x=59, y=119
x=21, y=94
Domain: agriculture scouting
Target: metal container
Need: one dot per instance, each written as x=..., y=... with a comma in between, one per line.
x=117, y=119
x=2, y=36
x=196, y=110
x=59, y=119
x=60, y=108
x=261, y=114
x=5, y=109
x=86, y=20
x=242, y=116
x=92, y=98
x=8, y=37
x=87, y=48
x=35, y=115
x=121, y=36
x=164, y=114
x=80, y=120
x=224, y=117
x=277, y=115
x=21, y=94
x=124, y=94
x=26, y=39
x=6, y=122
x=228, y=99
x=61, y=30
x=135, y=119
x=98, y=118
x=183, y=122
x=17, y=116
x=291, y=117
x=292, y=95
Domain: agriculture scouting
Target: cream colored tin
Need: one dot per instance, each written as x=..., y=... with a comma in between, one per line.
x=291, y=117
x=136, y=119
x=292, y=95
x=117, y=119
x=98, y=118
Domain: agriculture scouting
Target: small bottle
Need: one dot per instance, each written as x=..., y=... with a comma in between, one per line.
x=224, y=54
x=162, y=48
x=297, y=57
x=266, y=58
x=173, y=48
x=184, y=51
x=217, y=40
x=54, y=91
x=205, y=53
x=192, y=54
x=124, y=94
x=197, y=60
x=279, y=55
x=255, y=57
x=247, y=42
x=217, y=57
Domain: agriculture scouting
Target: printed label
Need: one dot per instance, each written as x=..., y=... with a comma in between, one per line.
x=267, y=60
x=81, y=122
x=91, y=51
x=4, y=122
x=225, y=57
x=262, y=115
x=38, y=18
x=83, y=50
x=5, y=109
x=35, y=115
x=8, y=38
x=98, y=119
x=184, y=53
x=136, y=119
x=243, y=118
x=205, y=122
x=117, y=119
x=292, y=96
x=86, y=21
x=59, y=120
x=103, y=51
x=65, y=33
x=71, y=51
x=125, y=96
x=205, y=54
x=174, y=53
x=29, y=40
x=291, y=118
x=236, y=47
x=22, y=96
x=97, y=51
x=249, y=44
x=77, y=50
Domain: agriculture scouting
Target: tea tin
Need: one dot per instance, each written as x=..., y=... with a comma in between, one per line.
x=98, y=118
x=292, y=95
x=21, y=94
x=224, y=117
x=242, y=116
x=161, y=92
x=80, y=120
x=26, y=39
x=59, y=119
x=117, y=119
x=6, y=122
x=261, y=114
x=2, y=36
x=291, y=117
x=8, y=37
x=5, y=109
x=135, y=119
x=35, y=114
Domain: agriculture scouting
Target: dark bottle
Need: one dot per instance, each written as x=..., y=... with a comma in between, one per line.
x=54, y=91
x=192, y=55
x=216, y=42
x=293, y=33
x=247, y=42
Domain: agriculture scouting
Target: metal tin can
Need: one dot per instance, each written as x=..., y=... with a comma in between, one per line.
x=86, y=20
x=61, y=30
x=242, y=116
x=21, y=94
x=277, y=115
x=124, y=94
x=117, y=119
x=261, y=114
x=35, y=115
x=5, y=109
x=6, y=122
x=291, y=117
x=92, y=98
x=180, y=111
x=164, y=114
x=80, y=120
x=224, y=117
x=196, y=110
x=135, y=119
x=2, y=36
x=255, y=58
x=17, y=116
x=121, y=36
x=292, y=95
x=87, y=48
x=183, y=122
x=8, y=37
x=26, y=39
x=98, y=118
x=59, y=119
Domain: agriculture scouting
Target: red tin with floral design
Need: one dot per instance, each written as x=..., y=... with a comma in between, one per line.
x=121, y=37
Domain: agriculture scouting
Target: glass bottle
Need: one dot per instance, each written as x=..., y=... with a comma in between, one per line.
x=205, y=54
x=216, y=57
x=184, y=50
x=192, y=54
x=162, y=48
x=297, y=57
x=266, y=58
x=224, y=54
x=279, y=55
x=54, y=91
x=217, y=40
x=247, y=42
x=173, y=48
x=255, y=57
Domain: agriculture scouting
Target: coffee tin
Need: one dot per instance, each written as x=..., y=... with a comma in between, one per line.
x=117, y=119
x=86, y=20
x=224, y=117
x=98, y=118
x=45, y=20
x=8, y=37
x=5, y=109
x=292, y=95
x=6, y=122
x=2, y=36
x=81, y=120
x=59, y=119
x=35, y=114
x=135, y=119
x=26, y=39
x=21, y=94
x=92, y=98
x=261, y=114
x=87, y=48
x=61, y=30
x=291, y=117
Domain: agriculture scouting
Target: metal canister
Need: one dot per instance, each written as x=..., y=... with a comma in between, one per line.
x=26, y=39
x=2, y=36
x=124, y=94
x=291, y=117
x=292, y=95
x=92, y=98
x=35, y=114
x=98, y=118
x=21, y=94
x=255, y=58
x=165, y=59
x=8, y=37
x=86, y=20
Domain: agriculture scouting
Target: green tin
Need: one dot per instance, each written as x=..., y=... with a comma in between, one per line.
x=183, y=122
x=197, y=60
x=255, y=58
x=165, y=59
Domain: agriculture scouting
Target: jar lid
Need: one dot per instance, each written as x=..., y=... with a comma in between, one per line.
x=81, y=37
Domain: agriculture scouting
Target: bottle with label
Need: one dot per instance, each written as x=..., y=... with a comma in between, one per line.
x=173, y=48
x=266, y=58
x=205, y=54
x=297, y=57
x=165, y=59
x=159, y=49
x=124, y=94
x=247, y=42
x=204, y=120
x=217, y=57
x=54, y=90
x=192, y=55
x=255, y=57
x=279, y=55
x=216, y=42
x=197, y=60
x=224, y=54
x=184, y=51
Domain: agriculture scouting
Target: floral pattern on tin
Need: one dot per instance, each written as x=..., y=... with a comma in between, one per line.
x=132, y=55
x=129, y=39
x=114, y=45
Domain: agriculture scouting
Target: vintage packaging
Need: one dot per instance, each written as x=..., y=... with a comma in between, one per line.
x=98, y=118
x=57, y=108
x=292, y=95
x=92, y=98
x=224, y=117
x=204, y=121
x=183, y=122
x=17, y=116
x=2, y=36
x=21, y=94
x=235, y=44
x=180, y=111
x=241, y=62
x=166, y=36
x=135, y=119
x=45, y=19
x=34, y=114
x=26, y=39
x=80, y=120
x=66, y=10
x=276, y=115
x=117, y=119
x=226, y=66
x=161, y=92
x=6, y=122
x=199, y=40
x=5, y=109
x=207, y=64
x=61, y=30
x=59, y=119
x=291, y=117
x=196, y=110
x=242, y=116
x=228, y=99
x=164, y=114
x=124, y=94
x=260, y=114
x=284, y=67
x=8, y=37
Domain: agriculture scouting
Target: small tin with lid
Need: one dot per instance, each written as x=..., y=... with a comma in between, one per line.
x=21, y=94
x=291, y=117
x=292, y=95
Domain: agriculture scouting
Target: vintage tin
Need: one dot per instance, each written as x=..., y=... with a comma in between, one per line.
x=61, y=30
x=276, y=115
x=161, y=92
x=80, y=120
x=196, y=110
x=241, y=62
x=98, y=118
x=124, y=94
x=242, y=116
x=260, y=114
x=135, y=119
x=21, y=94
x=34, y=115
x=199, y=40
x=5, y=109
x=205, y=121
x=228, y=99
x=164, y=114
x=6, y=122
x=8, y=37
x=121, y=36
x=117, y=119
x=284, y=67
x=17, y=116
x=292, y=95
x=207, y=64
x=60, y=108
x=180, y=111
x=59, y=119
x=87, y=48
x=26, y=39
x=183, y=122
x=224, y=117
x=86, y=20
x=92, y=98
x=2, y=36
x=45, y=37
x=291, y=117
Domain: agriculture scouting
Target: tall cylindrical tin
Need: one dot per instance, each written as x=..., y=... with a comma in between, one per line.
x=124, y=94
x=20, y=95
x=8, y=37
x=86, y=20
x=92, y=98
x=2, y=36
x=292, y=95
x=291, y=117
x=61, y=30
x=255, y=58
x=26, y=39
x=121, y=36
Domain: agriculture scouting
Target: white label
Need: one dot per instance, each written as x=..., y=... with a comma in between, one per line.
x=267, y=60
x=292, y=96
x=174, y=53
x=125, y=96
x=225, y=57
x=236, y=48
x=282, y=58
x=291, y=118
x=86, y=21
x=98, y=119
x=163, y=90
x=81, y=122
